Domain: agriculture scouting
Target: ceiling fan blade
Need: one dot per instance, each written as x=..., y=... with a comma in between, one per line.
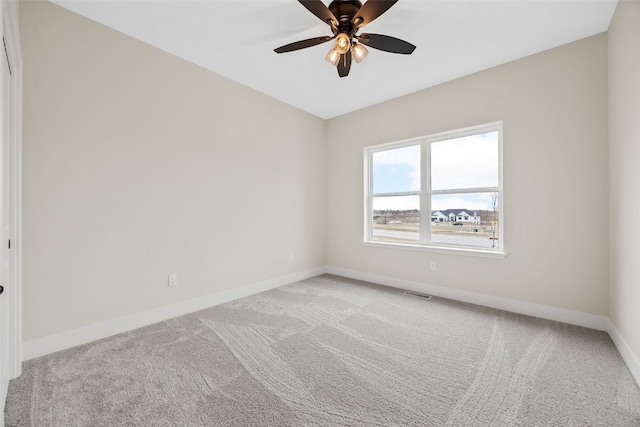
x=371, y=10
x=345, y=64
x=386, y=43
x=302, y=44
x=321, y=11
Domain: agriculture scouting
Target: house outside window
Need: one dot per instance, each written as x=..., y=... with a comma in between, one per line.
x=439, y=192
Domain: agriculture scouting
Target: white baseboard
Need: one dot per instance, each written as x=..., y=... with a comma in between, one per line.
x=572, y=317
x=632, y=361
x=63, y=340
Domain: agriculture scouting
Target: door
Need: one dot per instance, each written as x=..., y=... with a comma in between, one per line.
x=5, y=227
x=10, y=199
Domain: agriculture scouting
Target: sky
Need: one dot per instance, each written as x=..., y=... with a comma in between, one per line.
x=467, y=162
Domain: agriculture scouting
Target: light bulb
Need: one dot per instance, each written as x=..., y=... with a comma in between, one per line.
x=343, y=43
x=358, y=51
x=333, y=57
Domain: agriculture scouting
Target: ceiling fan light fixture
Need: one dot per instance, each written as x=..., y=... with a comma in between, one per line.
x=343, y=43
x=358, y=51
x=333, y=57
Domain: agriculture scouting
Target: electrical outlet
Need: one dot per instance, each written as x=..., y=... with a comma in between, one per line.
x=433, y=265
x=290, y=257
x=173, y=280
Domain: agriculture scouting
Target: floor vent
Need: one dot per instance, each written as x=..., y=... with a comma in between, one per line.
x=417, y=294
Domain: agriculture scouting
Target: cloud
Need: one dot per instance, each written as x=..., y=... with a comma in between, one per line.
x=470, y=201
x=399, y=156
x=409, y=157
x=467, y=162
x=399, y=203
x=458, y=163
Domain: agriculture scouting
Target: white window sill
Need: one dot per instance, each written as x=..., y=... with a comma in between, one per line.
x=438, y=249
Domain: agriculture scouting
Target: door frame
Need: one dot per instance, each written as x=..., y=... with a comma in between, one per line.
x=11, y=37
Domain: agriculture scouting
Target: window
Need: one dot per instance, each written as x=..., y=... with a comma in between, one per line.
x=440, y=192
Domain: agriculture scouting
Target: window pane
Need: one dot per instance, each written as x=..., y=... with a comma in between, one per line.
x=467, y=162
x=396, y=170
x=465, y=219
x=396, y=218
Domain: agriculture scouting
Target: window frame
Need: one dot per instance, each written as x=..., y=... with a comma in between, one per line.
x=425, y=243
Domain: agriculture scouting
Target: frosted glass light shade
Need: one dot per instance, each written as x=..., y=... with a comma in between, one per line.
x=358, y=51
x=333, y=57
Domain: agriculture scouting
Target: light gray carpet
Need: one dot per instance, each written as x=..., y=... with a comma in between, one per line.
x=334, y=352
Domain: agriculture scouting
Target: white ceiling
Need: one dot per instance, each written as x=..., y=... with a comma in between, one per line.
x=454, y=38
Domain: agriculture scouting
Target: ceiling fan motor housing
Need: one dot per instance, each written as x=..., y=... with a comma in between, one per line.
x=344, y=11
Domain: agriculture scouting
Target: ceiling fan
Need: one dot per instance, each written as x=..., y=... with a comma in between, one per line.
x=346, y=17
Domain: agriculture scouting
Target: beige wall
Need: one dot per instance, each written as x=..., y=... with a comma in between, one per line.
x=624, y=165
x=554, y=108
x=138, y=164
